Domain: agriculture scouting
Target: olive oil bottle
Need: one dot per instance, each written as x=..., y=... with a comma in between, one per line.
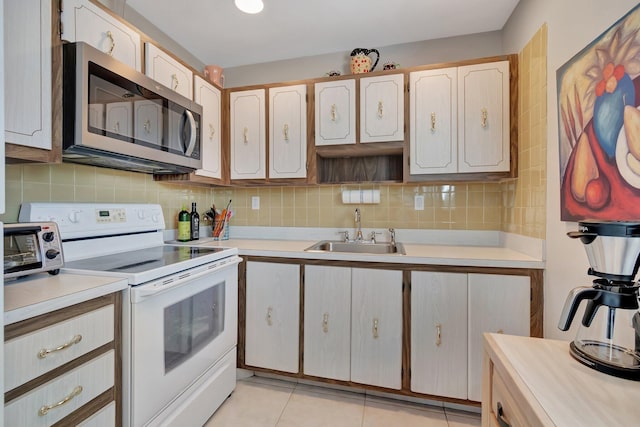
x=195, y=222
x=184, y=225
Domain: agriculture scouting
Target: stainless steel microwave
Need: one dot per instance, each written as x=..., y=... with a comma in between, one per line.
x=113, y=116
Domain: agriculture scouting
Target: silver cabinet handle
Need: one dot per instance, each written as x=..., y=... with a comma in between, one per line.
x=269, y=316
x=46, y=351
x=175, y=81
x=325, y=323
x=212, y=131
x=334, y=112
x=46, y=408
x=245, y=135
x=438, y=334
x=380, y=114
x=116, y=127
x=375, y=328
x=433, y=122
x=285, y=131
x=112, y=43
x=483, y=117
x=147, y=126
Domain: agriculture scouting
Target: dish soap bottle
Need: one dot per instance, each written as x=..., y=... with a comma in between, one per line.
x=184, y=225
x=195, y=222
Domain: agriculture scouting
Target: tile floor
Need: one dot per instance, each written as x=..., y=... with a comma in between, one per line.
x=267, y=402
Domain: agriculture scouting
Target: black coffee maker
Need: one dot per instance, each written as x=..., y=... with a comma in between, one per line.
x=608, y=338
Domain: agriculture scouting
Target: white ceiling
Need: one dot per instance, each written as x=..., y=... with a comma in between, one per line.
x=215, y=32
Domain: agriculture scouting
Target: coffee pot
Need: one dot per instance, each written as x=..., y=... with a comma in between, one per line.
x=361, y=62
x=608, y=337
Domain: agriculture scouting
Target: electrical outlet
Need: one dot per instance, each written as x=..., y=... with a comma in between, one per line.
x=418, y=202
x=255, y=203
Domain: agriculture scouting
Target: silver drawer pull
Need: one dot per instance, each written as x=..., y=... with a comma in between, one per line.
x=375, y=329
x=46, y=351
x=325, y=323
x=269, y=316
x=438, y=334
x=46, y=408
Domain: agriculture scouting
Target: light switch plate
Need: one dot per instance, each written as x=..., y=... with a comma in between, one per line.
x=418, y=202
x=255, y=202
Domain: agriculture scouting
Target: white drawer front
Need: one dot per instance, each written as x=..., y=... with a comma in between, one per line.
x=105, y=417
x=22, y=362
x=95, y=377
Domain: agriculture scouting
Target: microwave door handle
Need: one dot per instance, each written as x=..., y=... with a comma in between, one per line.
x=192, y=133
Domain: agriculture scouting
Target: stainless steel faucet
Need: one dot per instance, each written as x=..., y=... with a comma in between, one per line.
x=358, y=226
x=392, y=232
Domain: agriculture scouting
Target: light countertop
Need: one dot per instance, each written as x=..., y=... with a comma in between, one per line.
x=475, y=256
x=562, y=389
x=42, y=293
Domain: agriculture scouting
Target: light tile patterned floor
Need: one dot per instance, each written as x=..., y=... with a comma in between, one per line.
x=267, y=402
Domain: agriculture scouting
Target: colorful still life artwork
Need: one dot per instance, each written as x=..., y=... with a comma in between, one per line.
x=599, y=126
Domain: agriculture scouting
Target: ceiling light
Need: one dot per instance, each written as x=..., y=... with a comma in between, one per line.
x=250, y=6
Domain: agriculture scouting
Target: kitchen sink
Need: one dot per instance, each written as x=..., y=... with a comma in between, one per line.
x=381, y=248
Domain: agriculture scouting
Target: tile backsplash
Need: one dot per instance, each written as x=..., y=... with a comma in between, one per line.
x=517, y=206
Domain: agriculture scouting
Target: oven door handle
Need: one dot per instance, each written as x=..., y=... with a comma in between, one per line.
x=138, y=293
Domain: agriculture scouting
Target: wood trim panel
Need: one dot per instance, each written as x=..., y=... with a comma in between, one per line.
x=301, y=326
x=242, y=311
x=406, y=330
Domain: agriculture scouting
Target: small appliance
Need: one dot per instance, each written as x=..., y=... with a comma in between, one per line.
x=608, y=340
x=30, y=248
x=116, y=117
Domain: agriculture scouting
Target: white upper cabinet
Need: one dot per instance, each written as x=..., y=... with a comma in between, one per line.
x=288, y=132
x=83, y=21
x=382, y=108
x=483, y=119
x=166, y=70
x=247, y=134
x=433, y=128
x=210, y=98
x=439, y=333
x=498, y=304
x=335, y=112
x=27, y=72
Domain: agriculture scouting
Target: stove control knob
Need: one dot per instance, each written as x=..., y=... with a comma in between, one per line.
x=155, y=217
x=73, y=216
x=141, y=214
x=52, y=253
x=48, y=236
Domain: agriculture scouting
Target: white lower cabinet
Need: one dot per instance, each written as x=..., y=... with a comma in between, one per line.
x=376, y=327
x=497, y=303
x=272, y=319
x=327, y=322
x=439, y=333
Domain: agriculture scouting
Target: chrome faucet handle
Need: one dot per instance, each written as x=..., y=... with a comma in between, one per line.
x=393, y=236
x=346, y=235
x=372, y=236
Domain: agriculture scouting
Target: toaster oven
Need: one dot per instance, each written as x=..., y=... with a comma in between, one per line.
x=32, y=247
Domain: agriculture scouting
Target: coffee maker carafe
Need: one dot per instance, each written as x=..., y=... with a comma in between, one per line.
x=608, y=337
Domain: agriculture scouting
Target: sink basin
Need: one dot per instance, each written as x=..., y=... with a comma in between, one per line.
x=381, y=248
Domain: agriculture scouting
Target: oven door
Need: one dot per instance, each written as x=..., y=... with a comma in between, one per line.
x=178, y=331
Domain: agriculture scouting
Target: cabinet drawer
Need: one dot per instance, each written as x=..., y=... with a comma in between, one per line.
x=25, y=361
x=94, y=377
x=105, y=417
x=500, y=395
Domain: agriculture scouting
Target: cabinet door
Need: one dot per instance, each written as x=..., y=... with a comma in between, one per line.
x=209, y=97
x=335, y=112
x=248, y=134
x=376, y=327
x=327, y=322
x=439, y=333
x=483, y=117
x=497, y=303
x=273, y=310
x=382, y=108
x=83, y=21
x=433, y=128
x=288, y=132
x=164, y=69
x=147, y=124
x=27, y=84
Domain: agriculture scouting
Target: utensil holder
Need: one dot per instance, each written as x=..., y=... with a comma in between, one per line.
x=224, y=234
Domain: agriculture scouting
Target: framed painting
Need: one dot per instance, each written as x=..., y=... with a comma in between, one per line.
x=599, y=126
